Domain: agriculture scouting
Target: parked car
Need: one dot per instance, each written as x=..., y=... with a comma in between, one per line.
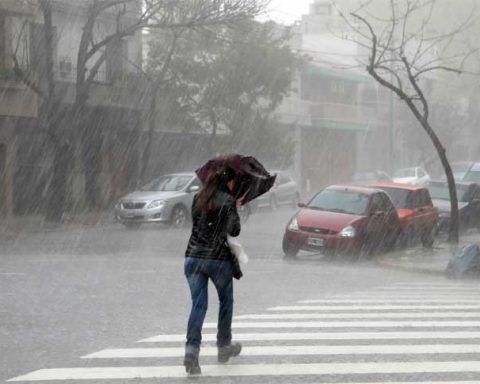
x=166, y=199
x=468, y=195
x=284, y=192
x=460, y=169
x=472, y=174
x=413, y=175
x=418, y=217
x=365, y=177
x=343, y=219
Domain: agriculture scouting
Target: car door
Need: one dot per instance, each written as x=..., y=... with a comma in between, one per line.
x=425, y=212
x=474, y=201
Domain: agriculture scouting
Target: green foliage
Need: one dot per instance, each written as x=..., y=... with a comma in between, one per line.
x=228, y=81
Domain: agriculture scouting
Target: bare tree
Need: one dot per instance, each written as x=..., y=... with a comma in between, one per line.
x=401, y=57
x=93, y=51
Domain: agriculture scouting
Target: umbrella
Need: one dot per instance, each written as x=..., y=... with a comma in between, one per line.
x=251, y=180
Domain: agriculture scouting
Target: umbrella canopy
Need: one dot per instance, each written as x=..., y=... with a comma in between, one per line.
x=251, y=180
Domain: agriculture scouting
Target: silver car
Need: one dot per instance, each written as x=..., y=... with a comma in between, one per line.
x=167, y=199
x=284, y=191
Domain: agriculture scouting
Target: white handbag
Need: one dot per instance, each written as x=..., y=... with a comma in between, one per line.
x=237, y=249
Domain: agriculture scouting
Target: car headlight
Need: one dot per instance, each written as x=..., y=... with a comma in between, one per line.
x=118, y=205
x=348, y=231
x=293, y=226
x=156, y=204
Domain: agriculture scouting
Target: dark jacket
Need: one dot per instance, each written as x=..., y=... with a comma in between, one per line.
x=210, y=229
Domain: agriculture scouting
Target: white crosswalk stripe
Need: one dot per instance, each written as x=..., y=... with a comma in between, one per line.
x=368, y=307
x=409, y=330
x=286, y=350
x=285, y=336
x=378, y=315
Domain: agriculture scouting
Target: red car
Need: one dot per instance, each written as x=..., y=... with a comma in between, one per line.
x=343, y=219
x=418, y=216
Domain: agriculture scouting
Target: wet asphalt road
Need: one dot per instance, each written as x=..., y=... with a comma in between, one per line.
x=68, y=293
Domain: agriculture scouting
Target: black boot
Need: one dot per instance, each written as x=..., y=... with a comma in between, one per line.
x=232, y=350
x=192, y=367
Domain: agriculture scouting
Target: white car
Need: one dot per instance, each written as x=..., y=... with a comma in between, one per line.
x=413, y=175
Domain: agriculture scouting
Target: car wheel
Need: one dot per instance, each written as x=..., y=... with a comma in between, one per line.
x=179, y=218
x=289, y=249
x=428, y=237
x=132, y=225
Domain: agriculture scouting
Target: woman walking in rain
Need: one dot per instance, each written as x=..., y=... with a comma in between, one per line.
x=208, y=256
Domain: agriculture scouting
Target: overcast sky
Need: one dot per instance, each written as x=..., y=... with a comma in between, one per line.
x=287, y=11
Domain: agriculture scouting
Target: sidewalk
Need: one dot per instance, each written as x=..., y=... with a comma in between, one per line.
x=11, y=228
x=431, y=261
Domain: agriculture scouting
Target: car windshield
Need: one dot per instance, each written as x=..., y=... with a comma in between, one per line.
x=406, y=172
x=472, y=175
x=341, y=201
x=440, y=191
x=460, y=167
x=168, y=183
x=400, y=197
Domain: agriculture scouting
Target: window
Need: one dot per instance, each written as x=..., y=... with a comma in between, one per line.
x=340, y=201
x=401, y=198
x=423, y=198
x=38, y=50
x=378, y=204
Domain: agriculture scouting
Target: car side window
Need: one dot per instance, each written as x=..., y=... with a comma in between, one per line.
x=423, y=198
x=378, y=203
x=195, y=183
x=411, y=200
x=387, y=202
x=420, y=172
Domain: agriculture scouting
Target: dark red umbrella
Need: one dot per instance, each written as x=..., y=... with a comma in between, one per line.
x=251, y=180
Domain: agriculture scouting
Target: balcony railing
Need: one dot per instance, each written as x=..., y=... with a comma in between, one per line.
x=294, y=110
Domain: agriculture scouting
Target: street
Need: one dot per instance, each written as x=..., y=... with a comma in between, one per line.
x=110, y=304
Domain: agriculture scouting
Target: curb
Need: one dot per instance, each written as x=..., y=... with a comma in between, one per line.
x=412, y=268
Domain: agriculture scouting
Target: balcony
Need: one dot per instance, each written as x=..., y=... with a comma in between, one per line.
x=323, y=115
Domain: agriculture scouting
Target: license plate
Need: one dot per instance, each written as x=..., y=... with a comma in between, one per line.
x=315, y=241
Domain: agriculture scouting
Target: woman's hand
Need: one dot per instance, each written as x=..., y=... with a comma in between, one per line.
x=238, y=203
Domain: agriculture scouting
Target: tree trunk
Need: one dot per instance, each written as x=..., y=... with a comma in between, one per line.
x=52, y=120
x=57, y=192
x=453, y=231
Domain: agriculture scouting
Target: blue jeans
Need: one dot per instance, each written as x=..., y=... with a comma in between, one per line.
x=198, y=272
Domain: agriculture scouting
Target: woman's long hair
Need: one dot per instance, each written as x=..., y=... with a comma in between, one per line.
x=215, y=181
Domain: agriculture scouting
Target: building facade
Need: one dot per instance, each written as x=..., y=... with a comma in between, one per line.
x=113, y=108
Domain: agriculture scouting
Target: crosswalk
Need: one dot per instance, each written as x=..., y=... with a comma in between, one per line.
x=401, y=333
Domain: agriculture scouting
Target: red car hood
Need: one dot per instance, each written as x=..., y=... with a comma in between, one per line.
x=332, y=221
